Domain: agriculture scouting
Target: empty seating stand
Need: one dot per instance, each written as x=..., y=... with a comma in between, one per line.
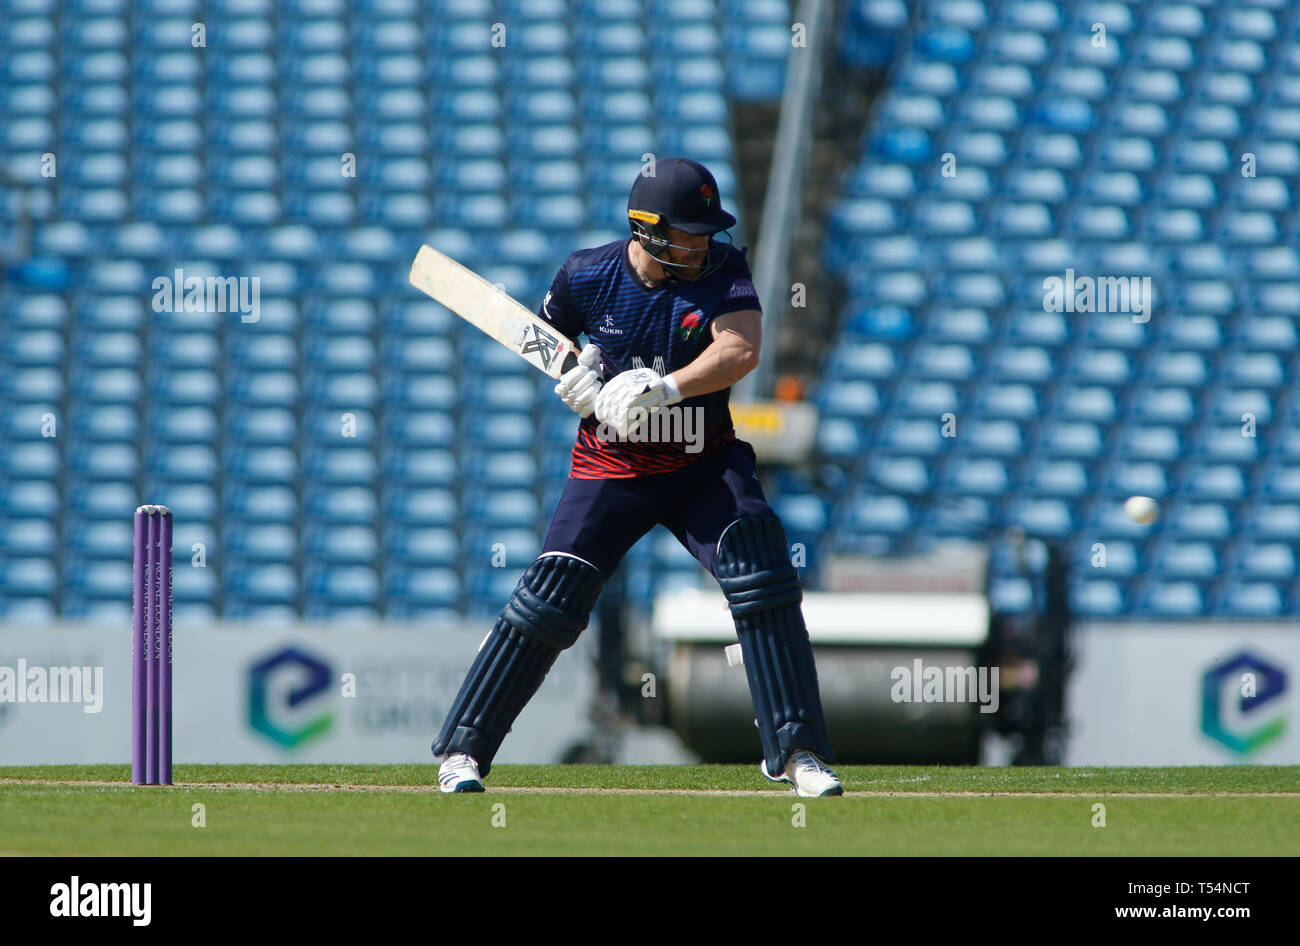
x=356, y=450
x=1121, y=158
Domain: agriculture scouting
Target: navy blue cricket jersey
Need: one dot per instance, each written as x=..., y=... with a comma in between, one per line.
x=664, y=328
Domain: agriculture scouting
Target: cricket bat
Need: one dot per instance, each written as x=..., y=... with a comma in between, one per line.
x=482, y=304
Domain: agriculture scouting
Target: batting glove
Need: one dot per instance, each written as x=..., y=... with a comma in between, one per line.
x=631, y=395
x=579, y=385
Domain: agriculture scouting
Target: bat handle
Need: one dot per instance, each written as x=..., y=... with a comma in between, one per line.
x=570, y=361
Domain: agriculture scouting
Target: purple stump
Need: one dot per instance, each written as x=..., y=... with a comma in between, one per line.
x=152, y=603
x=138, y=649
x=165, y=655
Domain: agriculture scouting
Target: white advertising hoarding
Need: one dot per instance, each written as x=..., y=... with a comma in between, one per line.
x=252, y=693
x=1140, y=694
x=1185, y=694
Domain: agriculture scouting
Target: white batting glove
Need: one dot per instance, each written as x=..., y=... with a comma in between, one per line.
x=631, y=395
x=579, y=386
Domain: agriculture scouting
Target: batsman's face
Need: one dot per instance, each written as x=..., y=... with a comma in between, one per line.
x=688, y=249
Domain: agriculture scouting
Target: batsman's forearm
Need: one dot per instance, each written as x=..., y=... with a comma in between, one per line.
x=719, y=366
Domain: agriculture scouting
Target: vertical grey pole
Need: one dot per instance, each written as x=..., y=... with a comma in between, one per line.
x=781, y=204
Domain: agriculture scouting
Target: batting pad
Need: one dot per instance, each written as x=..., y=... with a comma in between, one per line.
x=764, y=593
x=547, y=611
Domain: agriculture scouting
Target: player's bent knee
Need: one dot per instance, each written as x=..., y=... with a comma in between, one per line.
x=553, y=600
x=753, y=567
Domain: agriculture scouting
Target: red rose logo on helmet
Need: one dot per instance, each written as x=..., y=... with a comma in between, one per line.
x=692, y=322
x=706, y=194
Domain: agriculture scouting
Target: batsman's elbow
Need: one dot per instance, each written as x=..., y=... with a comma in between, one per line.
x=747, y=359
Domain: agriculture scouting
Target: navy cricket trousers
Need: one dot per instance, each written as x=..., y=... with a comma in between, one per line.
x=599, y=520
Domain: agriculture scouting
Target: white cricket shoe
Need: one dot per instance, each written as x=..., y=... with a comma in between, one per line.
x=459, y=773
x=811, y=777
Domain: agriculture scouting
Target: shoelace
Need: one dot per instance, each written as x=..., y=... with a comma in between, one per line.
x=809, y=763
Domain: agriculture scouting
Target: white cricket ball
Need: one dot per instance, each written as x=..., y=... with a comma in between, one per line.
x=1142, y=509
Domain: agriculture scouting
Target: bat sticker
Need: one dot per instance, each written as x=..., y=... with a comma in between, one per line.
x=534, y=342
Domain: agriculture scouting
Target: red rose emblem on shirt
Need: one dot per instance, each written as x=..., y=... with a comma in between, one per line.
x=692, y=322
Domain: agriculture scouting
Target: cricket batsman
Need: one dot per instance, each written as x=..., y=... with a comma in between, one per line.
x=672, y=321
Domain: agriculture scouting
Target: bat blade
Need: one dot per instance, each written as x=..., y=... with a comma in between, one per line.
x=493, y=311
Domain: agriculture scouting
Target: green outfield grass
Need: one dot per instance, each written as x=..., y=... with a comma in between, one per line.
x=890, y=810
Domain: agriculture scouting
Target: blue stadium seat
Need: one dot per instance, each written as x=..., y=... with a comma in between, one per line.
x=37, y=500
x=262, y=503
x=424, y=587
x=1099, y=598
x=1188, y=559
x=917, y=437
x=261, y=542
x=334, y=589
x=423, y=546
x=980, y=476
x=880, y=514
x=34, y=539
x=31, y=460
x=1175, y=599
x=1257, y=599
x=422, y=505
